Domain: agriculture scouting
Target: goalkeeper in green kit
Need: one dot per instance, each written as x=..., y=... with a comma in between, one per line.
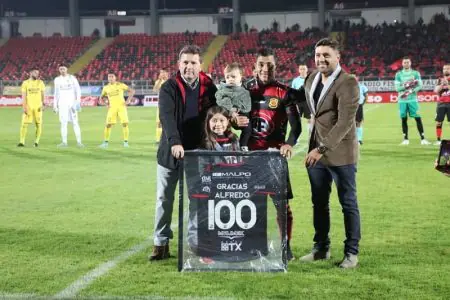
x=407, y=84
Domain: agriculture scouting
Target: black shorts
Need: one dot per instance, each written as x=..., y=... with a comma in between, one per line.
x=303, y=110
x=360, y=113
x=442, y=110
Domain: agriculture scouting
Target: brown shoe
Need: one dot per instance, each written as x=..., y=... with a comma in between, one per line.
x=159, y=253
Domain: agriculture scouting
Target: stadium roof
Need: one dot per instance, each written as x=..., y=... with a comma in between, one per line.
x=60, y=7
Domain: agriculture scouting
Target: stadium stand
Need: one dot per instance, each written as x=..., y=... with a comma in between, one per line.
x=377, y=51
x=291, y=48
x=140, y=56
x=368, y=51
x=19, y=54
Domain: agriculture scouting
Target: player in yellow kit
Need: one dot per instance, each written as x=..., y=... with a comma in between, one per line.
x=33, y=104
x=113, y=93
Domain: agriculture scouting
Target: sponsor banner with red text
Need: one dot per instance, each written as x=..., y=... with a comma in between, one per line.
x=137, y=100
x=392, y=97
x=389, y=85
x=48, y=101
x=150, y=100
x=10, y=100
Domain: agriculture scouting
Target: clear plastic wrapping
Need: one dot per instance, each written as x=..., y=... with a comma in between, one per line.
x=233, y=211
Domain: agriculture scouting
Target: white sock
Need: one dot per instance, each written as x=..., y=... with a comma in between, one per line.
x=77, y=131
x=64, y=132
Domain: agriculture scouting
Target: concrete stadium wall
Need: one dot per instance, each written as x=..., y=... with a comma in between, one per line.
x=427, y=12
x=263, y=21
x=388, y=15
x=181, y=23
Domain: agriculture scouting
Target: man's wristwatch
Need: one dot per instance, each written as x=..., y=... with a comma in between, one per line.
x=322, y=149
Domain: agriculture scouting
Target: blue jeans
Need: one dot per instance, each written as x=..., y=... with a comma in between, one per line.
x=321, y=177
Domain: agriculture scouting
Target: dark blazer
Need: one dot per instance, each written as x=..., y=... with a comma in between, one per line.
x=172, y=98
x=334, y=119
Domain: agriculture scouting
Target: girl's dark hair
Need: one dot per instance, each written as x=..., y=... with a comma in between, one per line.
x=209, y=140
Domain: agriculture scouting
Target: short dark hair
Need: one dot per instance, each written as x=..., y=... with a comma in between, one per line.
x=62, y=65
x=34, y=68
x=265, y=52
x=112, y=73
x=190, y=49
x=406, y=57
x=234, y=66
x=329, y=43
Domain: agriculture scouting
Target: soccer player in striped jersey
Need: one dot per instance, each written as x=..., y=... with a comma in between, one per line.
x=443, y=106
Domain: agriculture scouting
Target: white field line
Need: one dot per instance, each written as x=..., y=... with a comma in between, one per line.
x=84, y=281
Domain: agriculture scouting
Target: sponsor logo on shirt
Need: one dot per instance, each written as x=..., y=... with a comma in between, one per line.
x=273, y=103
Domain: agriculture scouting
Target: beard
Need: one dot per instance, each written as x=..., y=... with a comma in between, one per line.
x=325, y=65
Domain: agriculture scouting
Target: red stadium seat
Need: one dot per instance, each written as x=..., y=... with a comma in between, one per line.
x=140, y=56
x=242, y=48
x=20, y=54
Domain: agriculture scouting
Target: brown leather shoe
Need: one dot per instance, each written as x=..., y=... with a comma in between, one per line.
x=159, y=253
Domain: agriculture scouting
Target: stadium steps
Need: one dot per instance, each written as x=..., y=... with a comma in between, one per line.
x=213, y=50
x=3, y=41
x=90, y=55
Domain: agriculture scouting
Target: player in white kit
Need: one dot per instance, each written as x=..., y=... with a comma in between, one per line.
x=67, y=103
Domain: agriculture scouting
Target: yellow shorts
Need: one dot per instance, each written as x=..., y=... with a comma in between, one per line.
x=113, y=112
x=33, y=114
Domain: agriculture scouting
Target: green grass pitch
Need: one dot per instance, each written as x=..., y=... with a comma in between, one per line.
x=63, y=212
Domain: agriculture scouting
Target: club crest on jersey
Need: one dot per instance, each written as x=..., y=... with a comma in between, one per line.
x=273, y=103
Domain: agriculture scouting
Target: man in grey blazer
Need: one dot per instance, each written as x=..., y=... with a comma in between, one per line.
x=332, y=97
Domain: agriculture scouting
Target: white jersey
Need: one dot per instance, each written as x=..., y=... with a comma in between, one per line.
x=67, y=92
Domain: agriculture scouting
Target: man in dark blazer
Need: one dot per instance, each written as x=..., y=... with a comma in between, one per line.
x=332, y=97
x=183, y=102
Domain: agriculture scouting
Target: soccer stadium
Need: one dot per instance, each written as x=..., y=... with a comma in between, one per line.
x=282, y=149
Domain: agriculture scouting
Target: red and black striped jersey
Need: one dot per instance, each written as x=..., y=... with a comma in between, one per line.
x=444, y=94
x=272, y=106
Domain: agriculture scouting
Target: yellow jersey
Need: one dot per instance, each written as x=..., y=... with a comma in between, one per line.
x=115, y=93
x=158, y=85
x=33, y=90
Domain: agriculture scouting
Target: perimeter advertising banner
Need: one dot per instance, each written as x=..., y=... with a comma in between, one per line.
x=392, y=97
x=388, y=85
x=48, y=101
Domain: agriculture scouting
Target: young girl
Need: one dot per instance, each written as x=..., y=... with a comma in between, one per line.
x=217, y=137
x=218, y=134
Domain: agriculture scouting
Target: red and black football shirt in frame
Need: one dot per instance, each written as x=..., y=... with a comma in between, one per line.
x=273, y=105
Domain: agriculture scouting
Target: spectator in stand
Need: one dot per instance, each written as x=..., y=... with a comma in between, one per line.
x=374, y=47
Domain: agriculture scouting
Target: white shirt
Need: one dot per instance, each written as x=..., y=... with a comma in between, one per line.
x=67, y=91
